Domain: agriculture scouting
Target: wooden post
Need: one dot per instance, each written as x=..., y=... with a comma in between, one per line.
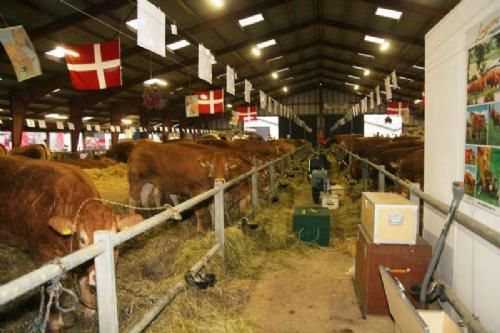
x=144, y=119
x=219, y=216
x=75, y=116
x=117, y=112
x=255, y=191
x=106, y=286
x=364, y=165
x=381, y=179
x=18, y=113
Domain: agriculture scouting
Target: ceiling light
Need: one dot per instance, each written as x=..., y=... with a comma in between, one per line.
x=229, y=106
x=393, y=14
x=267, y=43
x=218, y=3
x=60, y=52
x=256, y=52
x=358, y=67
x=133, y=24
x=356, y=87
x=285, y=89
x=366, y=72
x=283, y=69
x=180, y=88
x=275, y=58
x=157, y=81
x=320, y=84
x=349, y=84
x=373, y=39
x=366, y=55
x=87, y=118
x=288, y=78
x=178, y=45
x=418, y=101
x=405, y=78
x=385, y=46
x=274, y=75
x=127, y=121
x=56, y=116
x=56, y=90
x=251, y=20
x=354, y=77
x=418, y=67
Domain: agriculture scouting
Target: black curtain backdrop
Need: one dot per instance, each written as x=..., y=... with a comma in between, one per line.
x=357, y=128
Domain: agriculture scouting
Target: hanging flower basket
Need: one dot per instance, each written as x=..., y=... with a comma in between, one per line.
x=152, y=99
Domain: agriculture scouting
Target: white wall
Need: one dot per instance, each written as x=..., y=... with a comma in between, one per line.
x=469, y=265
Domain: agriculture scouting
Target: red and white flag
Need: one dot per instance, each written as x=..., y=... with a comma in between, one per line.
x=247, y=113
x=95, y=66
x=210, y=101
x=396, y=107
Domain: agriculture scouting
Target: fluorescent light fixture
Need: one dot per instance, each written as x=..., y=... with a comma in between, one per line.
x=229, y=106
x=320, y=84
x=267, y=43
x=358, y=67
x=418, y=67
x=274, y=75
x=274, y=59
x=354, y=77
x=285, y=89
x=180, y=88
x=288, y=78
x=256, y=51
x=157, y=81
x=55, y=90
x=133, y=24
x=56, y=116
x=349, y=84
x=385, y=46
x=87, y=118
x=283, y=69
x=418, y=101
x=220, y=76
x=389, y=13
x=127, y=121
x=251, y=20
x=218, y=3
x=405, y=78
x=60, y=52
x=366, y=55
x=373, y=39
x=178, y=45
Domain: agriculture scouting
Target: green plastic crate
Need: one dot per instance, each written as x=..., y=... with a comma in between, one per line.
x=312, y=225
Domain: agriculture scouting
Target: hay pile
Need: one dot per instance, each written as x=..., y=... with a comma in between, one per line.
x=111, y=182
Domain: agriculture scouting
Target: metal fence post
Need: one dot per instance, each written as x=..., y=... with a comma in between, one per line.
x=381, y=179
x=364, y=165
x=106, y=285
x=219, y=216
x=255, y=190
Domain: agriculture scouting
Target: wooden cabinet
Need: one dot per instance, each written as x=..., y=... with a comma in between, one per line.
x=389, y=218
x=411, y=261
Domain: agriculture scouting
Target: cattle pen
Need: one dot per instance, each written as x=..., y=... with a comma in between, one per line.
x=102, y=250
x=486, y=233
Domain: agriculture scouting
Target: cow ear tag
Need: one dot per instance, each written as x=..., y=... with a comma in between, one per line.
x=63, y=226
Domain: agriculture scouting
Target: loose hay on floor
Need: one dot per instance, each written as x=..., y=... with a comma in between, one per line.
x=112, y=182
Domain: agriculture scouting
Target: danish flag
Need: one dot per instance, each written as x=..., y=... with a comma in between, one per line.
x=210, y=102
x=395, y=107
x=247, y=113
x=94, y=66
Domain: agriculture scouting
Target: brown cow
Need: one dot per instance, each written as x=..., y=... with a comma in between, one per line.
x=483, y=167
x=495, y=117
x=35, y=151
x=52, y=215
x=121, y=151
x=411, y=167
x=176, y=168
x=469, y=156
x=478, y=125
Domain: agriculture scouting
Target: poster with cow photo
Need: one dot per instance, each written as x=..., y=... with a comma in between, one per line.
x=482, y=148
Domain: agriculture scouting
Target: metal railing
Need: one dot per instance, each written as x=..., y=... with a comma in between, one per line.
x=490, y=235
x=105, y=241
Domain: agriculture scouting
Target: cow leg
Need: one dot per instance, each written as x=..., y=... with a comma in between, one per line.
x=175, y=199
x=146, y=191
x=56, y=323
x=157, y=196
x=87, y=298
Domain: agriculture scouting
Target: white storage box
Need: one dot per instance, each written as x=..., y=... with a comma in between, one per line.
x=338, y=190
x=407, y=319
x=330, y=201
x=389, y=218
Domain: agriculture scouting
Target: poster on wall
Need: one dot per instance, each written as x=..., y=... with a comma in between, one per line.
x=482, y=148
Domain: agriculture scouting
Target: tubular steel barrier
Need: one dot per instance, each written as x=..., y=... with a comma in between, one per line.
x=105, y=241
x=485, y=232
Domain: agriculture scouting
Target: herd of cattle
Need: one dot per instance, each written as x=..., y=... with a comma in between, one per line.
x=403, y=156
x=52, y=208
x=491, y=79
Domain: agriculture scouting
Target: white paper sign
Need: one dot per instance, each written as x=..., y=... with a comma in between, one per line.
x=150, y=27
x=173, y=29
x=263, y=100
x=372, y=102
x=88, y=127
x=97, y=128
x=394, y=80
x=59, y=125
x=30, y=123
x=42, y=124
x=204, y=63
x=248, y=89
x=112, y=128
x=118, y=129
x=388, y=91
x=71, y=126
x=377, y=95
x=230, y=76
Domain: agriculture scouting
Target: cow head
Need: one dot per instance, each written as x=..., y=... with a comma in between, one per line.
x=93, y=216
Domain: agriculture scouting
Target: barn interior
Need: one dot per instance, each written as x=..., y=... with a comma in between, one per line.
x=364, y=102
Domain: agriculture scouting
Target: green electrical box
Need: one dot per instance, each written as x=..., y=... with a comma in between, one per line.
x=312, y=225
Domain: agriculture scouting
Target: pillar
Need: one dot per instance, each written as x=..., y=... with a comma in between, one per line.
x=18, y=113
x=117, y=112
x=166, y=122
x=75, y=116
x=144, y=120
